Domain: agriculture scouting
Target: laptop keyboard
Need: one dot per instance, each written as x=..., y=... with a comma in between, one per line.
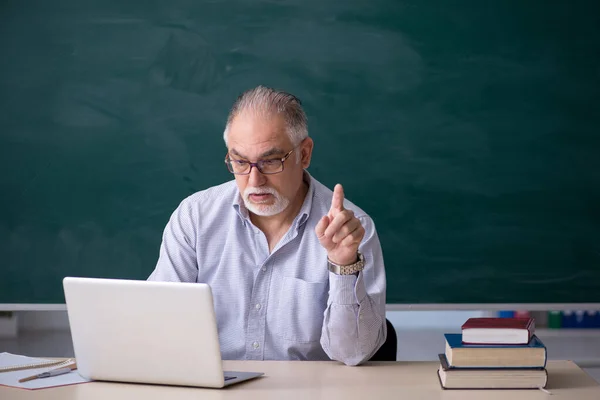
x=229, y=377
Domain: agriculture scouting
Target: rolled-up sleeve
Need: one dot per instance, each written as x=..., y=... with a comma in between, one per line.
x=354, y=322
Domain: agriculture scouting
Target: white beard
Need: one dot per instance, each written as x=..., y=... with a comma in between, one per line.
x=265, y=210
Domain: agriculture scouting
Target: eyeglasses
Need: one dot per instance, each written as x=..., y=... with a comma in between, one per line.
x=267, y=167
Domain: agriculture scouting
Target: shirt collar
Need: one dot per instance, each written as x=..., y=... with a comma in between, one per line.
x=303, y=214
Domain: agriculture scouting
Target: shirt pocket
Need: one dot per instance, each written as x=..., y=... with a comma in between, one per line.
x=300, y=310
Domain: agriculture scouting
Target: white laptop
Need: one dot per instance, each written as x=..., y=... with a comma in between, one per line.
x=146, y=332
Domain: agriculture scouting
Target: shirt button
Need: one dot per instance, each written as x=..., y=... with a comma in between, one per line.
x=255, y=345
x=257, y=306
x=264, y=269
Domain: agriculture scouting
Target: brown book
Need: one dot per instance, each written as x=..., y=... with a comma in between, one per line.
x=490, y=378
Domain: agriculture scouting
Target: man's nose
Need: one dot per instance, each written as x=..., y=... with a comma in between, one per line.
x=256, y=178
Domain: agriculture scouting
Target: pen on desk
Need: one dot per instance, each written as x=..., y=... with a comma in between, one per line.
x=54, y=372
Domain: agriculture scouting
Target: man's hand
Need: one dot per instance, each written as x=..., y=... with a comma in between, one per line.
x=340, y=232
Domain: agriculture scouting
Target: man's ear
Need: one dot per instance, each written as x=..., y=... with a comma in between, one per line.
x=306, y=152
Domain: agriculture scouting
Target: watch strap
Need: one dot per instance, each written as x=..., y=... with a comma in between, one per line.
x=347, y=269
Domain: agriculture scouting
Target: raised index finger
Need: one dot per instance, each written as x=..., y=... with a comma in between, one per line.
x=337, y=203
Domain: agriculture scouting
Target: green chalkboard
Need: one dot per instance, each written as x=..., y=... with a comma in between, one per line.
x=469, y=130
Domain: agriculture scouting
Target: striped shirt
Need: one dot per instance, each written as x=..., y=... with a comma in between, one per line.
x=283, y=305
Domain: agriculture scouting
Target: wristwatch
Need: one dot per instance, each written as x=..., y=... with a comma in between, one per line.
x=347, y=269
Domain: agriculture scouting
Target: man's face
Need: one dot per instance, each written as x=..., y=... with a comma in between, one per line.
x=253, y=138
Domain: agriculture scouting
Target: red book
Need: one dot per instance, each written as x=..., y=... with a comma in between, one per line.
x=498, y=330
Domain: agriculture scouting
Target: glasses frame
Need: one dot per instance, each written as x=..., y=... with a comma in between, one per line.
x=257, y=164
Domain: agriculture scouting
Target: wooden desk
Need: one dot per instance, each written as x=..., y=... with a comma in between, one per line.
x=308, y=380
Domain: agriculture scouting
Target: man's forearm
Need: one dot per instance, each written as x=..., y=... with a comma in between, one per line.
x=353, y=326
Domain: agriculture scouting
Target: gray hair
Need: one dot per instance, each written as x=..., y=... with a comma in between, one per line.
x=267, y=102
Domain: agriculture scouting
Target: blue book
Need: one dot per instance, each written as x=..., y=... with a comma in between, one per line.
x=506, y=314
x=591, y=319
x=530, y=355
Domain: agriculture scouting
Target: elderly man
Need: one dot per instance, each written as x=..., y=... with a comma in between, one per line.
x=296, y=271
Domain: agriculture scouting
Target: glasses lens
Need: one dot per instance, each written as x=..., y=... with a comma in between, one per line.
x=270, y=166
x=237, y=166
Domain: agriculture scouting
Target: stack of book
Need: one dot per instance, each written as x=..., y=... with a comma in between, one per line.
x=494, y=353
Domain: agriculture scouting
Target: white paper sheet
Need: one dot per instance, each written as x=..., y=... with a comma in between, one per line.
x=12, y=378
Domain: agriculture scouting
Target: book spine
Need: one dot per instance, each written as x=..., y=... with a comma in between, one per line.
x=568, y=319
x=580, y=319
x=554, y=319
x=593, y=318
x=506, y=314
